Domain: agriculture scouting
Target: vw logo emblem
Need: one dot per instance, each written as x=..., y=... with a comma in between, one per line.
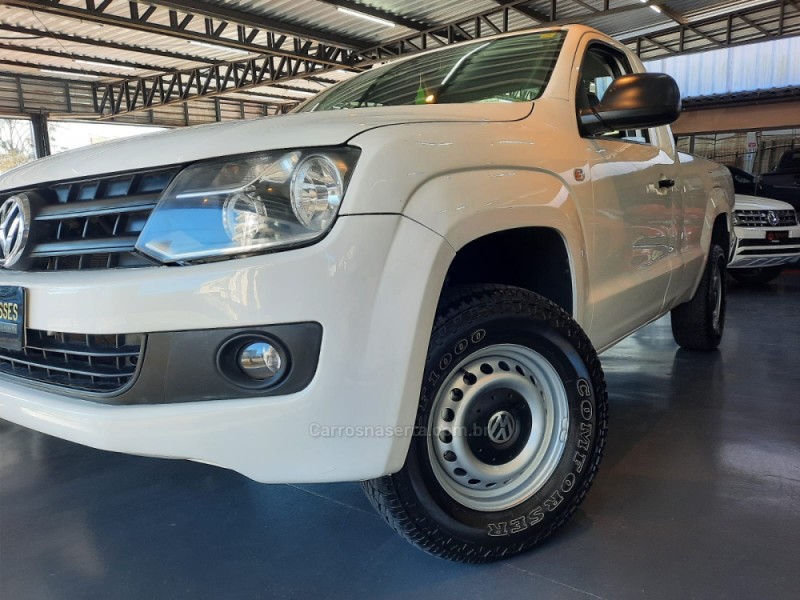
x=502, y=427
x=772, y=218
x=15, y=219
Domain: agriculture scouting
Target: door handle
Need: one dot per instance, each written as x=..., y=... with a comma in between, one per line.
x=666, y=183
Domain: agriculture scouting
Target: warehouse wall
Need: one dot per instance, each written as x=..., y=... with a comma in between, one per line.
x=761, y=66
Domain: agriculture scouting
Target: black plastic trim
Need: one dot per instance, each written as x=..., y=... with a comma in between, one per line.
x=765, y=243
x=181, y=366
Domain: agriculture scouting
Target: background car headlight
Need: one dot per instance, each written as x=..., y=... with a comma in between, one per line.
x=249, y=204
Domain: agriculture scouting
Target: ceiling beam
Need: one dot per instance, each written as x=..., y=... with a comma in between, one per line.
x=449, y=33
x=71, y=99
x=531, y=13
x=718, y=31
x=250, y=19
x=141, y=16
x=142, y=93
x=755, y=25
x=666, y=49
x=65, y=69
x=77, y=39
x=587, y=6
x=498, y=16
x=77, y=56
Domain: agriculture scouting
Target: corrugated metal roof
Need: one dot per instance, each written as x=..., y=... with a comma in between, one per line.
x=326, y=17
x=435, y=13
x=627, y=17
x=637, y=19
x=81, y=29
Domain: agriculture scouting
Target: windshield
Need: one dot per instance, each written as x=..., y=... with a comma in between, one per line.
x=510, y=69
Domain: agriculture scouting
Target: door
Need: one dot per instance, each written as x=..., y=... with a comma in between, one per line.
x=635, y=211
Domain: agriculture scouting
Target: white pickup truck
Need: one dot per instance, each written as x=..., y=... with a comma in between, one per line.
x=406, y=283
x=767, y=239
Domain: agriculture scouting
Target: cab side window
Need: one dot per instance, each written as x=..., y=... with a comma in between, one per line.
x=601, y=66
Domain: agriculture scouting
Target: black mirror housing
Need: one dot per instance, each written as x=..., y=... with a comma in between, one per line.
x=635, y=101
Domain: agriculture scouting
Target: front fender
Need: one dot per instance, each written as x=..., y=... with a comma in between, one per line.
x=465, y=206
x=719, y=203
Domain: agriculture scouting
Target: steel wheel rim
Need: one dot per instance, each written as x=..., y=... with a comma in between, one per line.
x=463, y=442
x=716, y=290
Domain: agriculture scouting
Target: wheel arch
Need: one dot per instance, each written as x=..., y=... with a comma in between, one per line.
x=718, y=227
x=529, y=216
x=495, y=258
x=721, y=235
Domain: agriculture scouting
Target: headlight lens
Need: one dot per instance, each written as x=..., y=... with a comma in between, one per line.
x=317, y=191
x=248, y=204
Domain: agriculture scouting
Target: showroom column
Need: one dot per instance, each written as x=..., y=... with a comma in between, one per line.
x=41, y=138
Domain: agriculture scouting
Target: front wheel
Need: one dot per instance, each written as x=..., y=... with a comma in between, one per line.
x=755, y=275
x=509, y=433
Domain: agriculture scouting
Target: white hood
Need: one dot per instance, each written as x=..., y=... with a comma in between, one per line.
x=189, y=144
x=752, y=203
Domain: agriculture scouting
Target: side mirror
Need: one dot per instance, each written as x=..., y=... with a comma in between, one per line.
x=634, y=101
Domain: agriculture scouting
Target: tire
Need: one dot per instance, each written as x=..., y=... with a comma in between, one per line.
x=504, y=367
x=756, y=275
x=699, y=323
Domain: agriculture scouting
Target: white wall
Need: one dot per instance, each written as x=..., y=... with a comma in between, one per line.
x=759, y=66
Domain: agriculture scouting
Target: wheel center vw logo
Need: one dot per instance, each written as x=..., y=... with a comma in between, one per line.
x=502, y=427
x=14, y=224
x=772, y=218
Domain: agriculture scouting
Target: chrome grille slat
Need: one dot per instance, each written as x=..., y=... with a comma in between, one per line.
x=90, y=363
x=759, y=218
x=69, y=368
x=92, y=223
x=122, y=352
x=98, y=207
x=85, y=246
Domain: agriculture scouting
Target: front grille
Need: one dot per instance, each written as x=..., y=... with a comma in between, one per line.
x=91, y=223
x=761, y=218
x=89, y=363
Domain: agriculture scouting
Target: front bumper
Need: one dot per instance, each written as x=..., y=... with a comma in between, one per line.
x=754, y=250
x=374, y=304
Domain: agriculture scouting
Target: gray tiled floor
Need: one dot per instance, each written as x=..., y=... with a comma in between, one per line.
x=698, y=497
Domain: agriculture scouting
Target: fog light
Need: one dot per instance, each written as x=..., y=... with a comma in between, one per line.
x=261, y=361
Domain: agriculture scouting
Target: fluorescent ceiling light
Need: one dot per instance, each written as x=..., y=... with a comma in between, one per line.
x=655, y=8
x=219, y=48
x=355, y=13
x=54, y=72
x=102, y=64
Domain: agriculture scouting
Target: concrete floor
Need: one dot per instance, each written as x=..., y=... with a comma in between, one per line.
x=698, y=497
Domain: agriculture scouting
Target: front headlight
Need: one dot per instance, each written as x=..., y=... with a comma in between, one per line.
x=249, y=204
